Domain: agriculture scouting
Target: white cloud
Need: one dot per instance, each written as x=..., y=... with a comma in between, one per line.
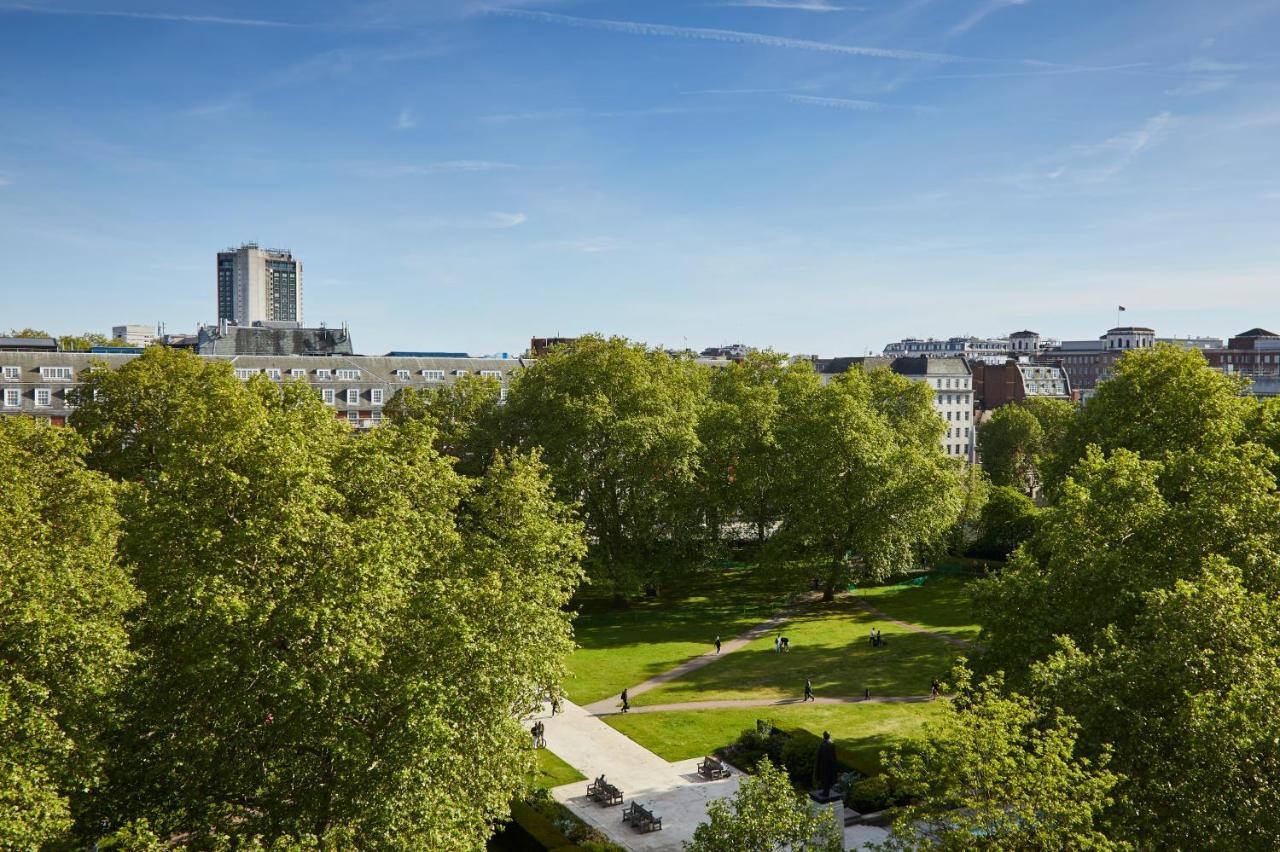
x=1102, y=161
x=726, y=36
x=795, y=5
x=405, y=120
x=836, y=103
x=419, y=170
x=1202, y=87
x=506, y=220
x=145, y=16
x=4, y=181
x=988, y=7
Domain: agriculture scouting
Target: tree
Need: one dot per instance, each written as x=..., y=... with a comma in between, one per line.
x=1189, y=697
x=63, y=646
x=1143, y=606
x=1022, y=438
x=84, y=342
x=28, y=333
x=1008, y=519
x=465, y=414
x=867, y=483
x=617, y=426
x=998, y=773
x=764, y=814
x=340, y=630
x=738, y=433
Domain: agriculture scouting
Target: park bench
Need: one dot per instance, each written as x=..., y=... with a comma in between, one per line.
x=712, y=768
x=603, y=792
x=641, y=818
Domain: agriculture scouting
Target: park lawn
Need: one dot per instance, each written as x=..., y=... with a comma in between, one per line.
x=830, y=645
x=553, y=772
x=860, y=731
x=622, y=647
x=943, y=604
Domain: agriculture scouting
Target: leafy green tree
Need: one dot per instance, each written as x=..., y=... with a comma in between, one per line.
x=968, y=528
x=617, y=426
x=340, y=630
x=1160, y=401
x=867, y=483
x=63, y=645
x=1008, y=519
x=999, y=773
x=738, y=433
x=1143, y=605
x=1189, y=697
x=465, y=414
x=84, y=342
x=1021, y=438
x=28, y=333
x=765, y=814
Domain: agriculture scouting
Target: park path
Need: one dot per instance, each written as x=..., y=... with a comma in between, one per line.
x=607, y=705
x=730, y=703
x=907, y=625
x=673, y=791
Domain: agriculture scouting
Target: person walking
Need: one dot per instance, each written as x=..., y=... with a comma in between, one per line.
x=555, y=705
x=626, y=702
x=717, y=644
x=936, y=688
x=873, y=634
x=777, y=644
x=808, y=690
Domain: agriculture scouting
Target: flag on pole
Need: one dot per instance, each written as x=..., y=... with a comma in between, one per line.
x=1122, y=307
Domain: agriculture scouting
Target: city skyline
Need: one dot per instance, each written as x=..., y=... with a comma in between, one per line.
x=819, y=177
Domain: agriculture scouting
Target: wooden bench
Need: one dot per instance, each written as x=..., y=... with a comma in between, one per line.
x=603, y=792
x=641, y=818
x=712, y=768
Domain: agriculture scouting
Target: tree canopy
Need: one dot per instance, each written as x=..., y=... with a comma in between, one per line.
x=340, y=630
x=867, y=484
x=765, y=814
x=63, y=645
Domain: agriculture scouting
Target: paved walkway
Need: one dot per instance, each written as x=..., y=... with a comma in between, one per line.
x=727, y=703
x=608, y=705
x=673, y=791
x=907, y=625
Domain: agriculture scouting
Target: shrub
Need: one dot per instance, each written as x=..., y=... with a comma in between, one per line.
x=799, y=756
x=537, y=827
x=870, y=794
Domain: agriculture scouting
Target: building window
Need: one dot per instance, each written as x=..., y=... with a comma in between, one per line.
x=44, y=397
x=323, y=375
x=12, y=374
x=348, y=375
x=12, y=397
x=47, y=373
x=492, y=374
x=353, y=417
x=375, y=396
x=243, y=374
x=376, y=416
x=353, y=396
x=327, y=394
x=433, y=375
x=297, y=372
x=402, y=375
x=273, y=373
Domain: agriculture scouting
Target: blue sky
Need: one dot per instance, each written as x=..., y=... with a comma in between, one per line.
x=819, y=176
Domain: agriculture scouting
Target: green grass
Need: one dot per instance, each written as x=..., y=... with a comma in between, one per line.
x=553, y=772
x=860, y=731
x=622, y=647
x=942, y=604
x=830, y=644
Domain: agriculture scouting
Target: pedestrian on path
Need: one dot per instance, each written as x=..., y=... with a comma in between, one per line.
x=777, y=644
x=717, y=644
x=626, y=702
x=873, y=635
x=808, y=690
x=933, y=693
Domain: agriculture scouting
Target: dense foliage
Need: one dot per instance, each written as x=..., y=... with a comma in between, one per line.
x=764, y=814
x=335, y=636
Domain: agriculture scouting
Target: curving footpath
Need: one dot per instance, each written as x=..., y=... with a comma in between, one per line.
x=907, y=625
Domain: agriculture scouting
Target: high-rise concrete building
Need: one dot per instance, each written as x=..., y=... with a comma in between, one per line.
x=134, y=335
x=259, y=285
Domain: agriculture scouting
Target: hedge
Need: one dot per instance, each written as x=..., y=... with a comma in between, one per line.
x=530, y=831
